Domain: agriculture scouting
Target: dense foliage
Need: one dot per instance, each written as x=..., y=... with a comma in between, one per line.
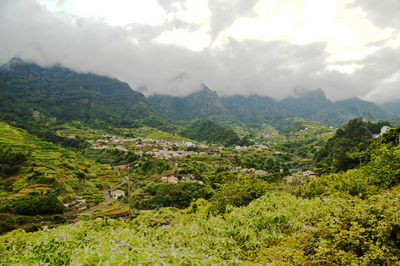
x=39, y=204
x=10, y=162
x=208, y=131
x=278, y=228
x=170, y=195
x=346, y=140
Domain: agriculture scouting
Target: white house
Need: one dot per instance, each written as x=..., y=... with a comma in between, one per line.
x=188, y=144
x=308, y=172
x=116, y=194
x=383, y=130
x=173, y=180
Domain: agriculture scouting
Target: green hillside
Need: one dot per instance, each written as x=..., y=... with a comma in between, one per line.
x=208, y=131
x=315, y=106
x=392, y=107
x=203, y=104
x=368, y=110
x=348, y=139
x=255, y=110
x=348, y=218
x=29, y=91
x=44, y=167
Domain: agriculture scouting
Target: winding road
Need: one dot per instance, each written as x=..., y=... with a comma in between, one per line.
x=106, y=194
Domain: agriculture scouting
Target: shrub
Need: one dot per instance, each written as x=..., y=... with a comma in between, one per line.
x=47, y=204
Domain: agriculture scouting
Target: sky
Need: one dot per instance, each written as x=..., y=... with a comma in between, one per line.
x=348, y=48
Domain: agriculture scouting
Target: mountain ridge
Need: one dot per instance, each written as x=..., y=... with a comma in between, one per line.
x=202, y=104
x=28, y=90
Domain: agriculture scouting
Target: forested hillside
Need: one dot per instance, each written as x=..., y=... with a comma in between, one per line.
x=392, y=107
x=353, y=138
x=315, y=106
x=255, y=110
x=367, y=110
x=203, y=104
x=208, y=131
x=28, y=91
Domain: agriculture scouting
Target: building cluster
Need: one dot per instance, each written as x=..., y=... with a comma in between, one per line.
x=162, y=149
x=301, y=177
x=249, y=170
x=79, y=203
x=166, y=154
x=175, y=180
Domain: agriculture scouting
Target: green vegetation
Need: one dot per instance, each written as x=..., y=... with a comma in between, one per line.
x=337, y=218
x=255, y=110
x=35, y=204
x=336, y=152
x=10, y=162
x=31, y=167
x=170, y=195
x=201, y=204
x=278, y=228
x=315, y=106
x=203, y=104
x=28, y=92
x=208, y=131
x=392, y=107
x=367, y=110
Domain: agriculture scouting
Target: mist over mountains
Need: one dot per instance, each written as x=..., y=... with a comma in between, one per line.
x=255, y=109
x=28, y=90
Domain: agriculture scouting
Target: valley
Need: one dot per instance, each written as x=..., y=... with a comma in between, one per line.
x=92, y=172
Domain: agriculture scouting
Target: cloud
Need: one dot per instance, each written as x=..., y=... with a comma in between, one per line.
x=225, y=12
x=275, y=68
x=383, y=13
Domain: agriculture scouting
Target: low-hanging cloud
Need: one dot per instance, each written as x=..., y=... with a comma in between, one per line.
x=273, y=68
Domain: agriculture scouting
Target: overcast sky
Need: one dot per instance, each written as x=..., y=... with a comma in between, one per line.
x=349, y=48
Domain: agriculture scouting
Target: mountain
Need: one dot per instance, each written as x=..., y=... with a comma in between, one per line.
x=315, y=106
x=203, y=104
x=28, y=90
x=392, y=107
x=368, y=110
x=255, y=109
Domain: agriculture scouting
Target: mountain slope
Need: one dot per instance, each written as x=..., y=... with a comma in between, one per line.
x=392, y=107
x=206, y=130
x=368, y=110
x=255, y=109
x=203, y=104
x=43, y=166
x=27, y=90
x=315, y=106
